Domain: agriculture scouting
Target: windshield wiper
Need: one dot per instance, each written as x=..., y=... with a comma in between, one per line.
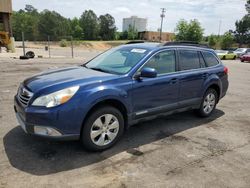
x=99, y=69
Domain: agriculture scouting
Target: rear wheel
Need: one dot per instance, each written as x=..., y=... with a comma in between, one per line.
x=209, y=103
x=103, y=128
x=234, y=58
x=223, y=58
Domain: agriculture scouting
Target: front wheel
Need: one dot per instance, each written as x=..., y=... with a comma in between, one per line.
x=103, y=128
x=208, y=103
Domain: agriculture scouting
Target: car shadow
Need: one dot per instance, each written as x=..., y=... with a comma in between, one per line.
x=40, y=157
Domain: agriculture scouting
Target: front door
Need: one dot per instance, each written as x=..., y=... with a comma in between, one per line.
x=153, y=95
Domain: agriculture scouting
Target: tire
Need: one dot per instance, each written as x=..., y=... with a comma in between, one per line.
x=234, y=58
x=208, y=103
x=23, y=57
x=97, y=132
x=30, y=54
x=242, y=61
x=223, y=58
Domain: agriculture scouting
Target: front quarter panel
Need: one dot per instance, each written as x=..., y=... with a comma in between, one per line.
x=119, y=90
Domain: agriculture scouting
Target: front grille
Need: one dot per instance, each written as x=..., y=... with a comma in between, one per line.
x=24, y=96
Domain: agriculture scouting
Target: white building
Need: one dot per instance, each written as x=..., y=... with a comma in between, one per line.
x=139, y=24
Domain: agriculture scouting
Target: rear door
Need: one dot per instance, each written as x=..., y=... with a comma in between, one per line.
x=192, y=76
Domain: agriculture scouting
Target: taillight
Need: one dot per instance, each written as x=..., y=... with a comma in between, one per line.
x=225, y=70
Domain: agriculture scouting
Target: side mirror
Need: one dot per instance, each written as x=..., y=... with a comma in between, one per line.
x=148, y=72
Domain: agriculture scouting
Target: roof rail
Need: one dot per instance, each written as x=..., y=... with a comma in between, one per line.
x=135, y=42
x=186, y=43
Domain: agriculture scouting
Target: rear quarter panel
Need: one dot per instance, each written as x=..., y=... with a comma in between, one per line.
x=216, y=76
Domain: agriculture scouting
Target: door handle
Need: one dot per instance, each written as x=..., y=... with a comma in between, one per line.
x=173, y=81
x=205, y=75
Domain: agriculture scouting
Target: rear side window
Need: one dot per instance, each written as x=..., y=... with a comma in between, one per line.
x=210, y=59
x=189, y=60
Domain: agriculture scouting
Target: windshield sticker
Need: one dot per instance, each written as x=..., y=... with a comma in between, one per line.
x=141, y=51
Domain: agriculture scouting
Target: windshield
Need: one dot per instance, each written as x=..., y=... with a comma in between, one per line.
x=118, y=60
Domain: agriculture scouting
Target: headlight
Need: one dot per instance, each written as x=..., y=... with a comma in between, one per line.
x=56, y=98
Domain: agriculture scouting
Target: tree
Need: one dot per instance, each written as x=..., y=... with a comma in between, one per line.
x=227, y=41
x=27, y=22
x=212, y=41
x=248, y=6
x=191, y=31
x=54, y=25
x=124, y=35
x=107, y=27
x=76, y=29
x=242, y=32
x=78, y=32
x=132, y=33
x=30, y=9
x=89, y=24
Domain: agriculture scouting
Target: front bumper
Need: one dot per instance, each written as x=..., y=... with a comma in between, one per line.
x=30, y=119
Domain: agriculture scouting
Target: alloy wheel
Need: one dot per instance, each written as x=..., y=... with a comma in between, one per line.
x=209, y=103
x=104, y=130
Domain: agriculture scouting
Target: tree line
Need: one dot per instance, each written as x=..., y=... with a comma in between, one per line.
x=39, y=25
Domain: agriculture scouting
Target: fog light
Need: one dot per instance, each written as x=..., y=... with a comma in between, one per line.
x=46, y=131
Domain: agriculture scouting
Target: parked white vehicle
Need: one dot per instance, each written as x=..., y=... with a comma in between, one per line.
x=241, y=51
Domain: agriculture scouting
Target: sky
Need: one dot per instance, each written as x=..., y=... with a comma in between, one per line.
x=209, y=12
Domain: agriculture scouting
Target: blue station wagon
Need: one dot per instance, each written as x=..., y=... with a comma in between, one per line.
x=97, y=101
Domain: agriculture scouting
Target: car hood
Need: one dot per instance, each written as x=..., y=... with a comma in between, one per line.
x=246, y=55
x=66, y=76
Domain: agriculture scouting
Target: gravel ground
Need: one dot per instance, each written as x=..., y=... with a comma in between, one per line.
x=180, y=150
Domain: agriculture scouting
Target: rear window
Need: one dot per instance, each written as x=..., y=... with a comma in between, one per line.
x=189, y=60
x=210, y=59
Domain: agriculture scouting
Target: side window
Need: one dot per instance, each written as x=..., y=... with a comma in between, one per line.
x=163, y=62
x=189, y=60
x=210, y=59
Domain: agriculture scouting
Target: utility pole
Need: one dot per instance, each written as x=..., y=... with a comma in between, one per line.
x=163, y=11
x=219, y=28
x=72, y=47
x=23, y=44
x=49, y=46
x=134, y=30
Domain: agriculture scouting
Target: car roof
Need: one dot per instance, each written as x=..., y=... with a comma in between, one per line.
x=242, y=48
x=154, y=46
x=146, y=45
